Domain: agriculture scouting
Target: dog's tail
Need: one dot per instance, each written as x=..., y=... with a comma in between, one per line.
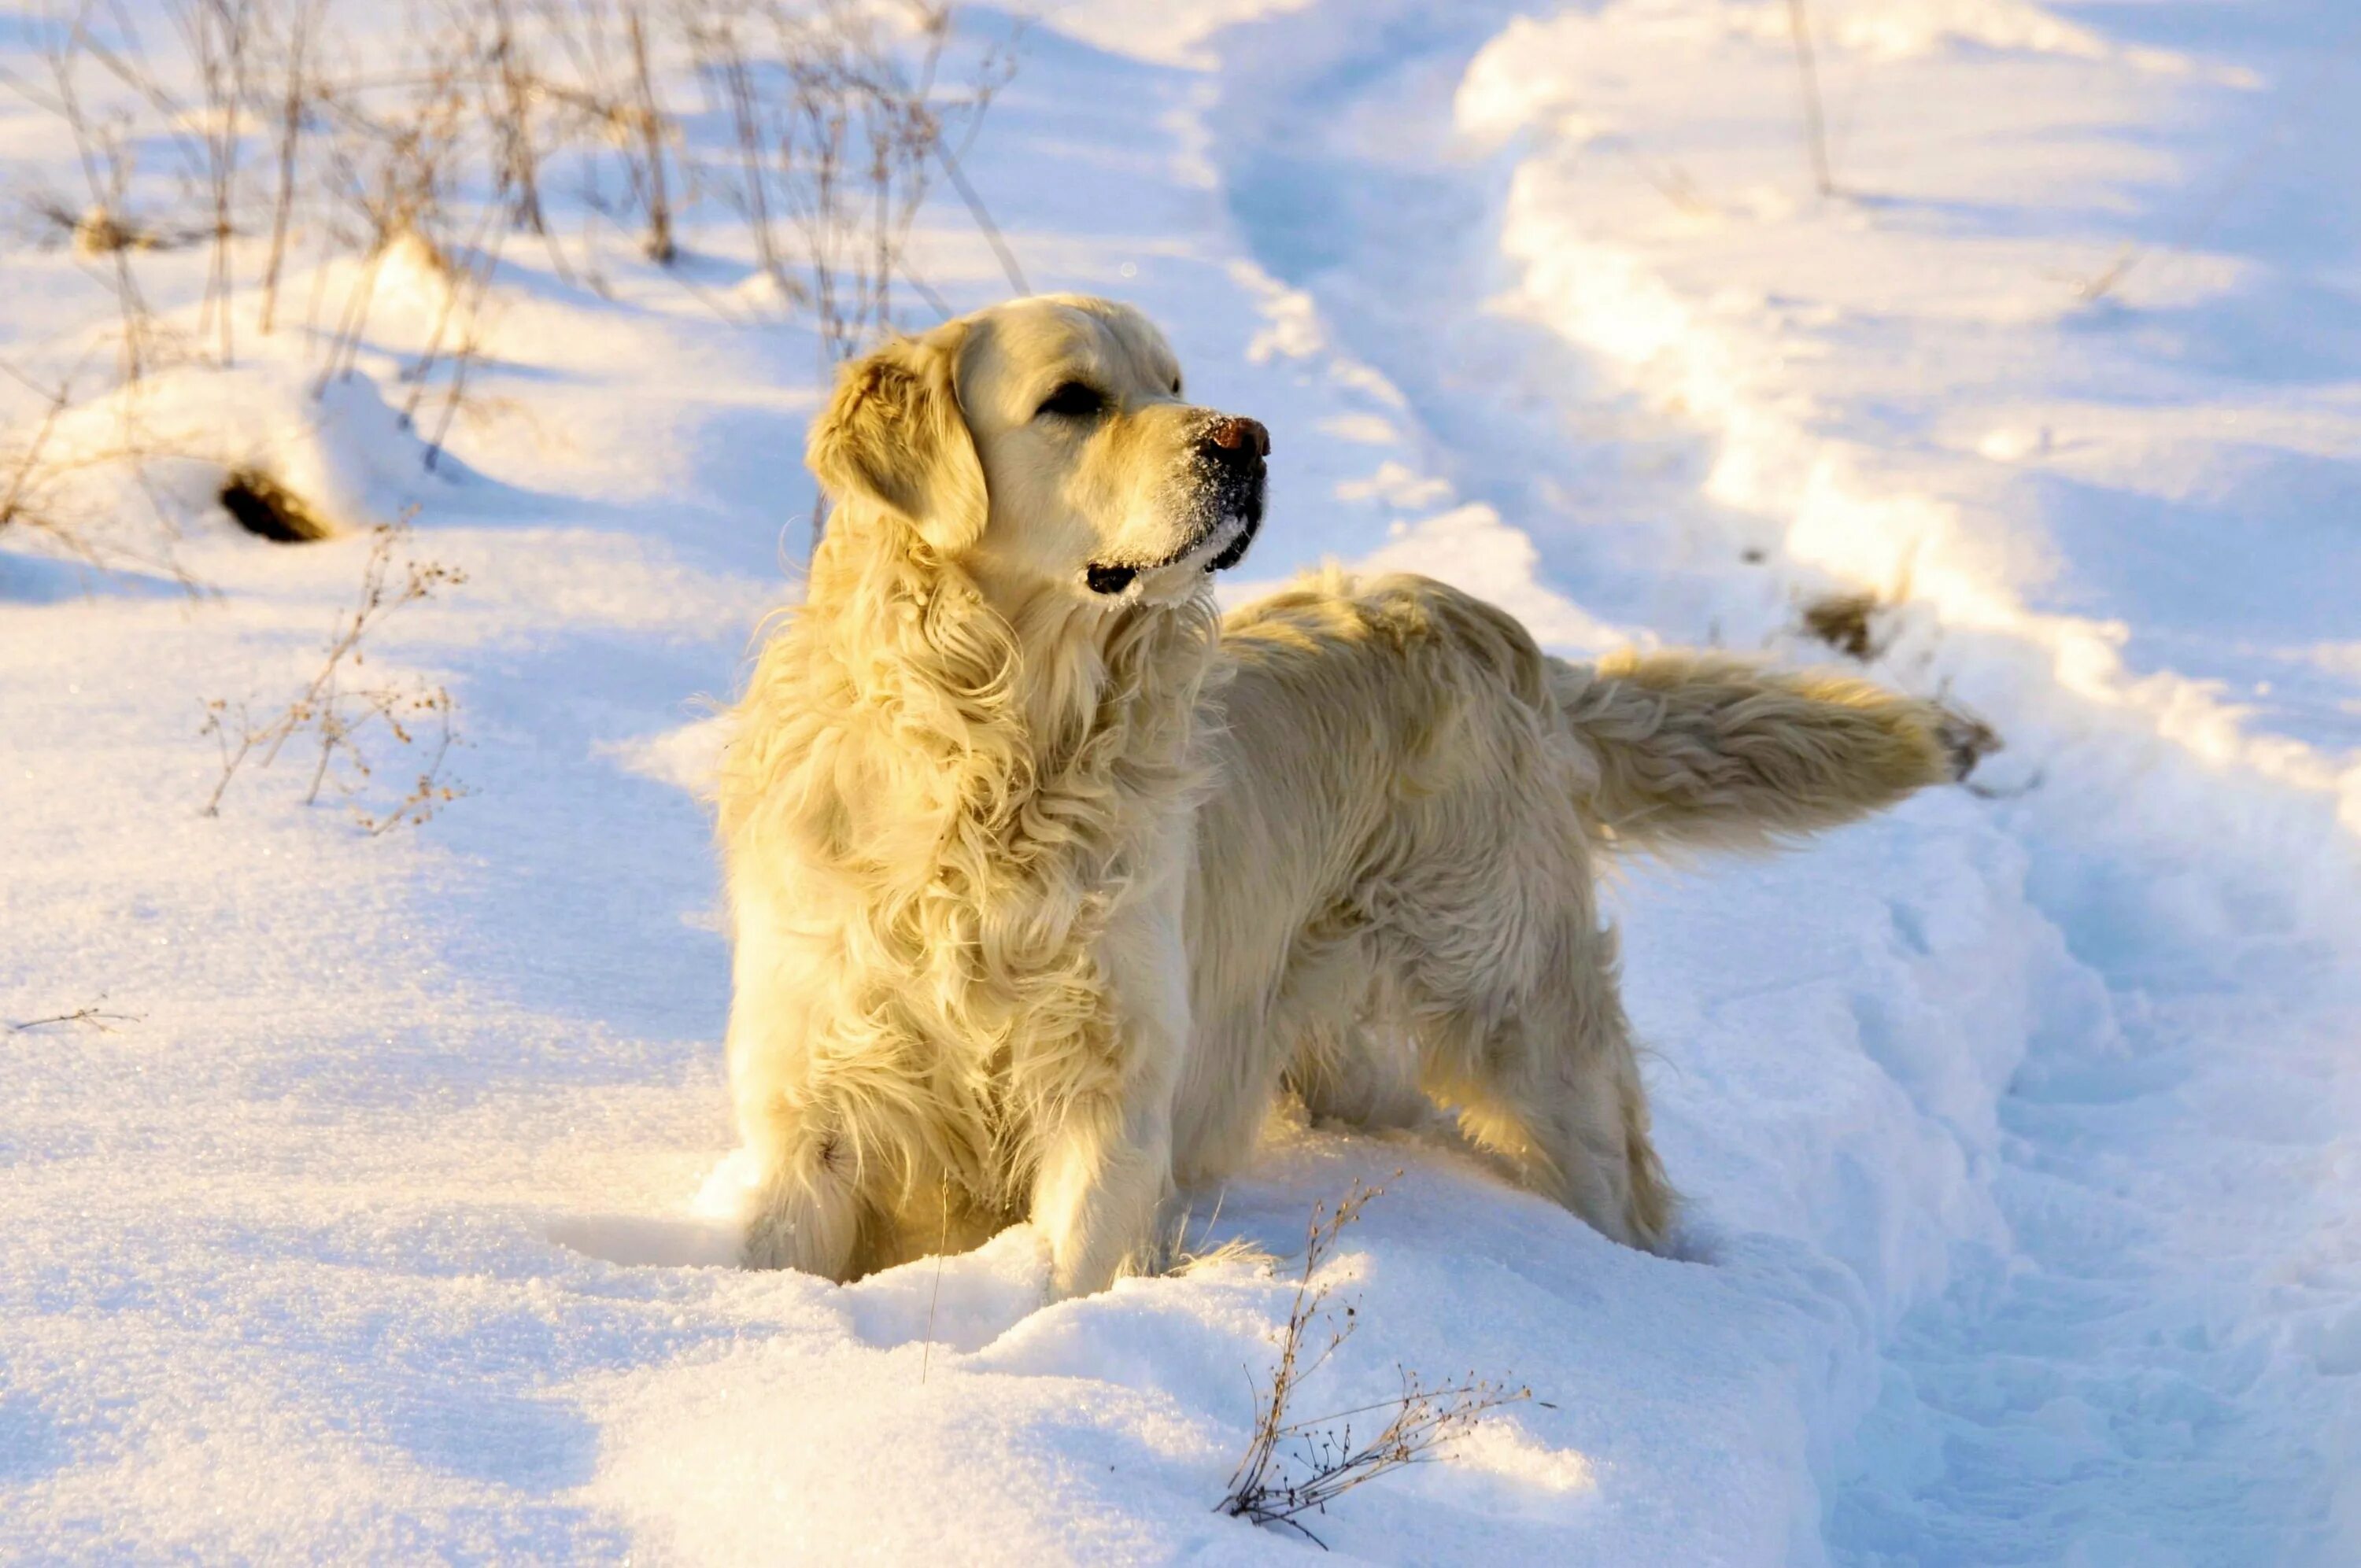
x=1705, y=751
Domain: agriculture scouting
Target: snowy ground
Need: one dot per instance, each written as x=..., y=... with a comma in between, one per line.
x=2022, y=1135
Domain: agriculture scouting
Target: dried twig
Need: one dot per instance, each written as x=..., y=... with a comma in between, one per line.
x=294, y=106
x=216, y=33
x=1293, y=1468
x=342, y=717
x=1816, y=132
x=22, y=474
x=650, y=122
x=36, y=497
x=94, y=1016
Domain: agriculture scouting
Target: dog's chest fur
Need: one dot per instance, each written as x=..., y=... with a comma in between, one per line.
x=966, y=832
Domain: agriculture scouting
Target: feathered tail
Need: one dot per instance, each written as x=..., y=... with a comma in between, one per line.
x=1706, y=751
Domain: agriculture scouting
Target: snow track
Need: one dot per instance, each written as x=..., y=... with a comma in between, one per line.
x=2151, y=1365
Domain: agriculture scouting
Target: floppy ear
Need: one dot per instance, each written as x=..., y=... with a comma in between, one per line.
x=894, y=435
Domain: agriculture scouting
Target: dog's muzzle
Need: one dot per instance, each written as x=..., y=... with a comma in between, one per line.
x=1232, y=461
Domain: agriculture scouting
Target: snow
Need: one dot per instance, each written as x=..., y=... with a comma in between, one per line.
x=2018, y=1131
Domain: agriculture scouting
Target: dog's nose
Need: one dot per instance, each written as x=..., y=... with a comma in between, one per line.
x=1237, y=442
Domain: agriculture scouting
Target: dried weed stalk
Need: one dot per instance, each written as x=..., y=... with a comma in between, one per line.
x=1293, y=1468
x=343, y=717
x=37, y=496
x=94, y=1018
x=25, y=500
x=836, y=122
x=839, y=124
x=1808, y=78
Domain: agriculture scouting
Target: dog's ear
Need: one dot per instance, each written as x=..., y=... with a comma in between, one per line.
x=894, y=435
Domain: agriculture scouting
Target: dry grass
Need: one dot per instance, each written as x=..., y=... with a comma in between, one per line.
x=270, y=127
x=1298, y=1467
x=281, y=140
x=1848, y=623
x=344, y=719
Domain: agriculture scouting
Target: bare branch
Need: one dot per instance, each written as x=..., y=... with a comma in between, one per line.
x=1295, y=1467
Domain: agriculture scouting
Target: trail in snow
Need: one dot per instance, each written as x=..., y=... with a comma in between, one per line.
x=2018, y=1133
x=2156, y=1364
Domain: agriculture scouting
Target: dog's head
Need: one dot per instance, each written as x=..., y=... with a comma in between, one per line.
x=1046, y=443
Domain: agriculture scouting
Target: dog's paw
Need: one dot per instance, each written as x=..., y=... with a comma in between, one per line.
x=1965, y=740
x=767, y=1244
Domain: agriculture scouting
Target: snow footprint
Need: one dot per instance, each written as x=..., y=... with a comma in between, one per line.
x=961, y=1303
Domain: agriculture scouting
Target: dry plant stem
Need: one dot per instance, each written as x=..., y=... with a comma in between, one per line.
x=661, y=249
x=469, y=344
x=20, y=478
x=934, y=1296
x=216, y=32
x=521, y=151
x=107, y=176
x=292, y=111
x=1816, y=135
x=479, y=273
x=94, y=1016
x=429, y=791
x=31, y=499
x=1293, y=1468
x=510, y=117
x=982, y=217
x=339, y=718
x=344, y=348
x=727, y=61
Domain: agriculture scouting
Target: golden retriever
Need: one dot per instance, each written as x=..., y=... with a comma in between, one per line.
x=1045, y=882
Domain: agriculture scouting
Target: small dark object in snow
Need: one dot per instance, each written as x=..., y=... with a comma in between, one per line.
x=269, y=509
x=1841, y=621
x=1751, y=556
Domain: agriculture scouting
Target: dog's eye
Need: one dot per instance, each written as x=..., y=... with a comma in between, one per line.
x=1072, y=400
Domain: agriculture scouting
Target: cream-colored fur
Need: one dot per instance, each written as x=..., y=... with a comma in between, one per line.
x=1044, y=882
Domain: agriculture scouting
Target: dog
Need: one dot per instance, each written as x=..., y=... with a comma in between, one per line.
x=1045, y=882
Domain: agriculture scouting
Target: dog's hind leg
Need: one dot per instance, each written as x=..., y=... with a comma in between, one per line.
x=1548, y=1081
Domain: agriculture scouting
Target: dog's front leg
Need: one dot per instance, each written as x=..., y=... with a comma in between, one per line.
x=805, y=1214
x=1103, y=1175
x=1106, y=1166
